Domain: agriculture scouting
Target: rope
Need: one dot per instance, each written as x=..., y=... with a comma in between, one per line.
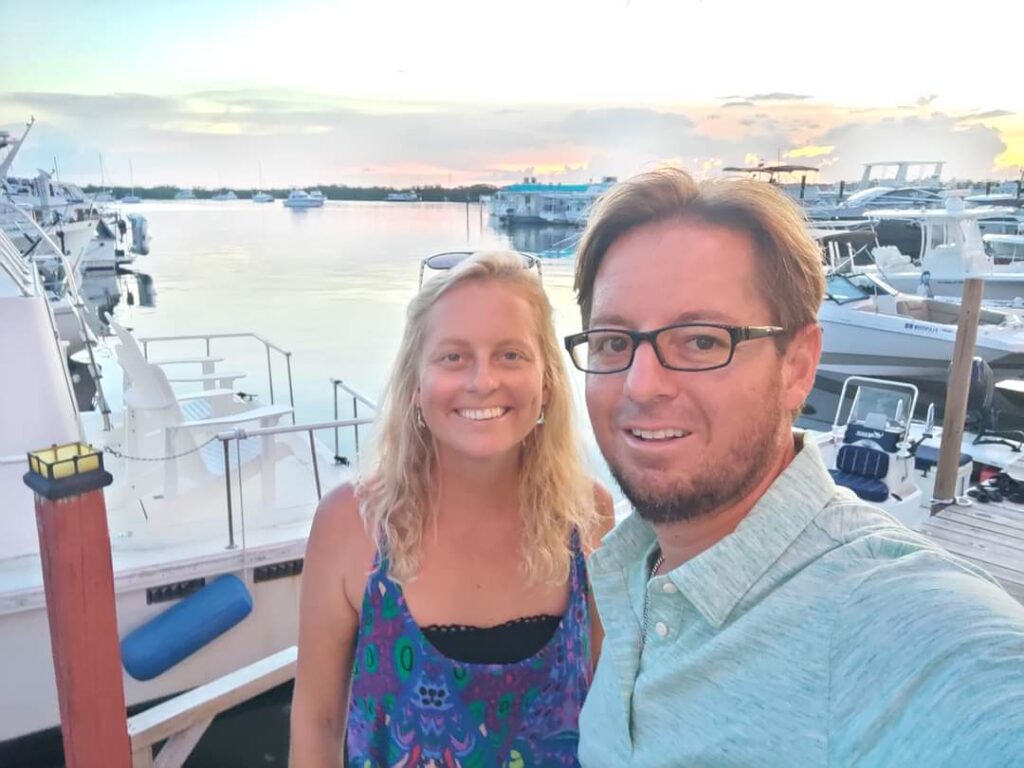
x=115, y=452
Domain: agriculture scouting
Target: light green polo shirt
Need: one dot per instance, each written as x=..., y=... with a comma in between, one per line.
x=821, y=632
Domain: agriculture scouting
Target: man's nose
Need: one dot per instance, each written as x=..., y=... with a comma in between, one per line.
x=647, y=379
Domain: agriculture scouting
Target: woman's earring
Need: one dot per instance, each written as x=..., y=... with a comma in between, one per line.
x=540, y=419
x=419, y=419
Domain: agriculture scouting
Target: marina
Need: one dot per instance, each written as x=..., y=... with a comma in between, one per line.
x=225, y=359
x=332, y=312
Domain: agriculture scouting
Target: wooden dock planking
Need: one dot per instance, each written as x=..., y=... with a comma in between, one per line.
x=990, y=535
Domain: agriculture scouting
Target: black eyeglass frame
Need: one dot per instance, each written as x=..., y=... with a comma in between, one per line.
x=737, y=335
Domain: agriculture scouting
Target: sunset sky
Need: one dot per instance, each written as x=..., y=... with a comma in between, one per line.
x=403, y=93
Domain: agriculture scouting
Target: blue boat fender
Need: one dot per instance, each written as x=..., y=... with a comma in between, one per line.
x=183, y=629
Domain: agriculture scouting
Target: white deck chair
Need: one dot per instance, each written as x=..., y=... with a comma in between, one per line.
x=210, y=378
x=158, y=422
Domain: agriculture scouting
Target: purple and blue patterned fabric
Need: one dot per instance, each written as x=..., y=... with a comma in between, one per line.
x=410, y=706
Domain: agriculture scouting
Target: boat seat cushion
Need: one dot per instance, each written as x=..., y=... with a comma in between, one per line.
x=927, y=457
x=861, y=469
x=867, y=488
x=862, y=461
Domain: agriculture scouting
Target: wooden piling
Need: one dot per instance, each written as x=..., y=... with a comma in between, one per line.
x=78, y=580
x=956, y=395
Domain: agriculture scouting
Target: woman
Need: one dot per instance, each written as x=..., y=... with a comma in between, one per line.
x=445, y=616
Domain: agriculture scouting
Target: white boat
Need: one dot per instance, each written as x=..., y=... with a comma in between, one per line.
x=225, y=194
x=131, y=198
x=316, y=194
x=870, y=450
x=43, y=275
x=299, y=198
x=117, y=241
x=185, y=193
x=870, y=329
x=407, y=196
x=949, y=249
x=260, y=196
x=190, y=510
x=1005, y=250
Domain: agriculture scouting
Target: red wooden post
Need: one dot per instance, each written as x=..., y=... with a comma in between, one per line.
x=78, y=578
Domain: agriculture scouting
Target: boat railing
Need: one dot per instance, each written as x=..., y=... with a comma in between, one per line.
x=181, y=721
x=267, y=434
x=80, y=309
x=357, y=398
x=23, y=274
x=209, y=338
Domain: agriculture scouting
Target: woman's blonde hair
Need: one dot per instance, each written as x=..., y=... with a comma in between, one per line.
x=556, y=495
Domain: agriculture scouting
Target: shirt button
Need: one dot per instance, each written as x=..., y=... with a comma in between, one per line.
x=669, y=588
x=661, y=628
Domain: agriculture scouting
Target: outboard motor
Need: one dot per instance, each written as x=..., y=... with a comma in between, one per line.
x=140, y=233
x=982, y=388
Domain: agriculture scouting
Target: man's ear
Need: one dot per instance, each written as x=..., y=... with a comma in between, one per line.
x=800, y=365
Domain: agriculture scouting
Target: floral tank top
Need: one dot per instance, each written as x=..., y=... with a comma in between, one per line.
x=410, y=706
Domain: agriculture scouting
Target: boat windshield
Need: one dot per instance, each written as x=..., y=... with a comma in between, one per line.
x=880, y=408
x=842, y=289
x=872, y=284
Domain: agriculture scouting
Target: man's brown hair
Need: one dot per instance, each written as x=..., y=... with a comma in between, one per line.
x=789, y=262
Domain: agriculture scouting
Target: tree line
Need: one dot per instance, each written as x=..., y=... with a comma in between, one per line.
x=432, y=194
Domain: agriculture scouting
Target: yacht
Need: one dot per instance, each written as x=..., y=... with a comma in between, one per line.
x=225, y=194
x=263, y=197
x=871, y=329
x=299, y=198
x=185, y=193
x=210, y=488
x=408, y=196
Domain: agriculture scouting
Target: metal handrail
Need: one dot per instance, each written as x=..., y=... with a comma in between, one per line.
x=240, y=433
x=357, y=397
x=78, y=305
x=208, y=337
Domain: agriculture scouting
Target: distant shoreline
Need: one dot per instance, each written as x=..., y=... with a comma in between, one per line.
x=331, y=192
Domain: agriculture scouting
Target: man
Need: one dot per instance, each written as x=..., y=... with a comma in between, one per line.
x=756, y=615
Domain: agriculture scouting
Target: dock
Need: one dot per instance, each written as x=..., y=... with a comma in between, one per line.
x=989, y=534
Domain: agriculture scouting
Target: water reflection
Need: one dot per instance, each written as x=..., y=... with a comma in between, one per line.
x=549, y=242
x=102, y=292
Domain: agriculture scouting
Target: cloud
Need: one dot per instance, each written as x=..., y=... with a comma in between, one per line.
x=777, y=96
x=990, y=114
x=211, y=138
x=744, y=103
x=924, y=101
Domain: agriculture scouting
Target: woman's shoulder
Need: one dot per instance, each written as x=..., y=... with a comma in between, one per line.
x=339, y=533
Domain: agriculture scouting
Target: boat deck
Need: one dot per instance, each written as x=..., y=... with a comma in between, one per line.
x=988, y=534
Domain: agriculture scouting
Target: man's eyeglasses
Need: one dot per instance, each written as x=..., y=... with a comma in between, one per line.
x=448, y=259
x=683, y=347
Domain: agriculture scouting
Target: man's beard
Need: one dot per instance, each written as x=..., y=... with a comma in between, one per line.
x=744, y=467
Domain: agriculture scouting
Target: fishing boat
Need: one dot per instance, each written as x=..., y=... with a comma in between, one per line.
x=871, y=329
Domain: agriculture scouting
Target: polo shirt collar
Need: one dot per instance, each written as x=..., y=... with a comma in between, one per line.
x=718, y=578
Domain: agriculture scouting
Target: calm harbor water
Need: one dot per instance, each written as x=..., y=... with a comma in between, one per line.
x=330, y=285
